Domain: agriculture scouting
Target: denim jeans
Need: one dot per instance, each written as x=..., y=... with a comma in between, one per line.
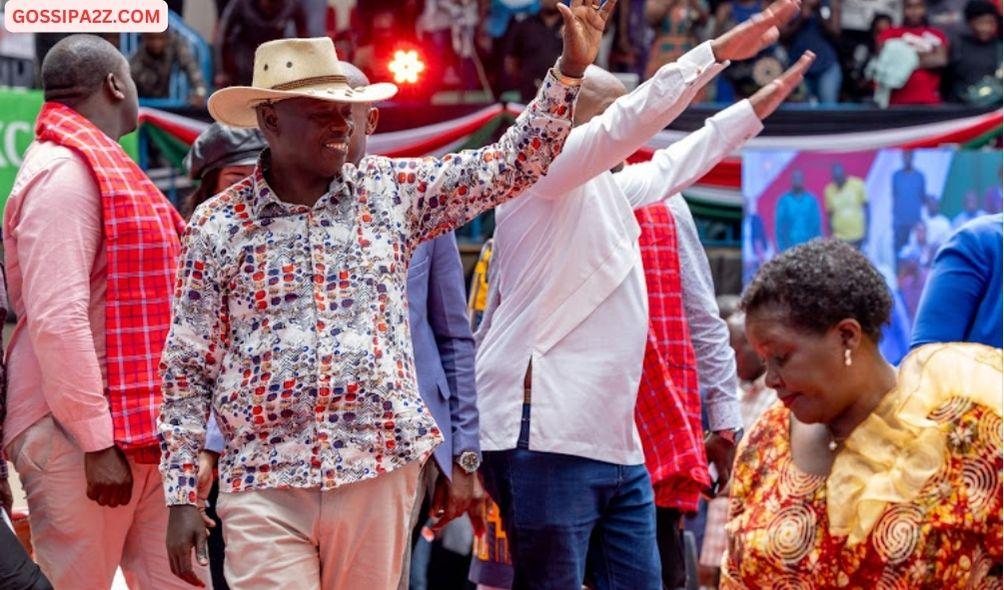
x=825, y=85
x=564, y=514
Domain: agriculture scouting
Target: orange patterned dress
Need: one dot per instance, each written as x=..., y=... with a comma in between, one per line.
x=913, y=501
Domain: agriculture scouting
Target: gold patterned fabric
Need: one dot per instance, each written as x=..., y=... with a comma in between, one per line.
x=913, y=500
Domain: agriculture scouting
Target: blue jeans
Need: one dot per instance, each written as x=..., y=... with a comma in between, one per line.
x=565, y=514
x=825, y=85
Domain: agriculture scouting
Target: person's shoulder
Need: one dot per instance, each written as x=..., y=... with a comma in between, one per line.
x=983, y=233
x=768, y=431
x=60, y=163
x=229, y=207
x=891, y=33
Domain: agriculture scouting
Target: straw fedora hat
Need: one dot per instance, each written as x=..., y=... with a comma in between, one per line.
x=291, y=68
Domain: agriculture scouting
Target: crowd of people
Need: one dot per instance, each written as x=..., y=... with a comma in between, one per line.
x=283, y=383
x=899, y=52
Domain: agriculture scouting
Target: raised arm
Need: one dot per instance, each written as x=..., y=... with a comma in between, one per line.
x=678, y=166
x=442, y=194
x=609, y=138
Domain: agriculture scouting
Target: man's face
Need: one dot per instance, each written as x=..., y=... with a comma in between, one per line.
x=130, y=104
x=155, y=43
x=364, y=119
x=839, y=175
x=984, y=28
x=312, y=133
x=749, y=366
x=797, y=180
x=882, y=25
x=914, y=12
x=907, y=159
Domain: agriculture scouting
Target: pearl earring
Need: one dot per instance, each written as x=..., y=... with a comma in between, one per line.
x=847, y=357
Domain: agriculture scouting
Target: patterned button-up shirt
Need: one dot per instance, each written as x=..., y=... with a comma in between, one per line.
x=292, y=321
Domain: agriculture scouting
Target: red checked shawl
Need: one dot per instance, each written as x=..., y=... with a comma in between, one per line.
x=142, y=246
x=668, y=412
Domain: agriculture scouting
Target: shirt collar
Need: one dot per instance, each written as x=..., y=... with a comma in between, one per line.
x=265, y=203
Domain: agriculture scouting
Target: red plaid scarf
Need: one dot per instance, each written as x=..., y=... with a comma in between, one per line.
x=668, y=412
x=141, y=230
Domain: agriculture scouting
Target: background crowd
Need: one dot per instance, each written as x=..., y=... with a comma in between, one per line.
x=898, y=52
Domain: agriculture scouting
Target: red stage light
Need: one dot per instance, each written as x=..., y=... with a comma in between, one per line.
x=407, y=66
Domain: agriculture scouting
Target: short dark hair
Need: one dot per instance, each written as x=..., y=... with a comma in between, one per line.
x=977, y=8
x=818, y=284
x=77, y=66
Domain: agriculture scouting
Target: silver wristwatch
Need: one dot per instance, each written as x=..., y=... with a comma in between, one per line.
x=469, y=461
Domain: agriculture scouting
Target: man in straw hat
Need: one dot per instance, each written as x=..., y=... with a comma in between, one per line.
x=290, y=319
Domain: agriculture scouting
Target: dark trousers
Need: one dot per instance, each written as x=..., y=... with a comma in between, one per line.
x=17, y=570
x=565, y=514
x=670, y=535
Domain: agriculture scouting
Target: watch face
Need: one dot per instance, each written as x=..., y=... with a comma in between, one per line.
x=469, y=462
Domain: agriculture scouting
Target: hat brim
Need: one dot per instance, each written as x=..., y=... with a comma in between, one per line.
x=235, y=105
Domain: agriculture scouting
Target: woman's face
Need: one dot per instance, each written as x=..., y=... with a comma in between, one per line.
x=231, y=175
x=806, y=369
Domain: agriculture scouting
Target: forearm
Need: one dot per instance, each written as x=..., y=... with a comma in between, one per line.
x=608, y=139
x=937, y=58
x=678, y=166
x=444, y=194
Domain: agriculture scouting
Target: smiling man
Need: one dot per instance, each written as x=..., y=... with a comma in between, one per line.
x=290, y=319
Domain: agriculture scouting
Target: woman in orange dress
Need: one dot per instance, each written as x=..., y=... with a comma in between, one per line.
x=862, y=476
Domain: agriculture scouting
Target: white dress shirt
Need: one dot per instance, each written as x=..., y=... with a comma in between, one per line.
x=571, y=294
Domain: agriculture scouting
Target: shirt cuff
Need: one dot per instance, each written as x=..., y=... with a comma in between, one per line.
x=723, y=415
x=555, y=99
x=699, y=62
x=214, y=438
x=92, y=434
x=461, y=444
x=180, y=484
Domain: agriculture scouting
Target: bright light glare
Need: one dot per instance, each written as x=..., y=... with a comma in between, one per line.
x=406, y=66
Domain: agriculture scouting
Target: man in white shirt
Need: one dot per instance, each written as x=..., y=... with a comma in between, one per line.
x=939, y=228
x=567, y=339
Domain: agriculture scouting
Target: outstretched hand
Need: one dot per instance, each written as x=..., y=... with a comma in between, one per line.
x=753, y=35
x=585, y=21
x=767, y=99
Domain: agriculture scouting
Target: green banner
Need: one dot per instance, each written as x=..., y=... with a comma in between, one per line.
x=18, y=110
